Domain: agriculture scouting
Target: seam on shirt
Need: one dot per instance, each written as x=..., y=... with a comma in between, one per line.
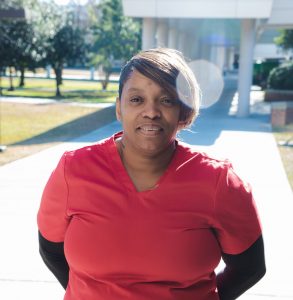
x=227, y=164
x=67, y=185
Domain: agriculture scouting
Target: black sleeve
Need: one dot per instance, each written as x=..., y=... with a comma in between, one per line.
x=242, y=271
x=54, y=258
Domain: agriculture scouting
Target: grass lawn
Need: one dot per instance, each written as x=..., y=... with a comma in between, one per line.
x=283, y=134
x=28, y=128
x=72, y=90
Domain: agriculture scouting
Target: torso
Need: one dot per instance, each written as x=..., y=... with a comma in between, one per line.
x=139, y=245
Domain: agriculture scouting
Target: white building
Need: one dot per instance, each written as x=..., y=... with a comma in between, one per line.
x=216, y=30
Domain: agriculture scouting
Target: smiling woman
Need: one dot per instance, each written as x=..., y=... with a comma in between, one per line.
x=141, y=215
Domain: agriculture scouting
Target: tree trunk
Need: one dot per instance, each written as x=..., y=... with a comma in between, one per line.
x=58, y=93
x=10, y=80
x=58, y=73
x=21, y=81
x=105, y=82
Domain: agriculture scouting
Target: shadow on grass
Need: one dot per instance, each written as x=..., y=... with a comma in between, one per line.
x=74, y=128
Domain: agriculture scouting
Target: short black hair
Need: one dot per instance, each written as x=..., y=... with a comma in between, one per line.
x=167, y=68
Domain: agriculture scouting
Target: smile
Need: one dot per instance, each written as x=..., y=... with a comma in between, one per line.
x=150, y=129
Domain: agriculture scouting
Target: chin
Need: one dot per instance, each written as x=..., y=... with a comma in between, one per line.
x=153, y=150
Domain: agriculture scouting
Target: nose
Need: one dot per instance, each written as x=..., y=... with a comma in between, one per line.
x=151, y=110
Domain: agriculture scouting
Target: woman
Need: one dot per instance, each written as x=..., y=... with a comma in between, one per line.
x=141, y=215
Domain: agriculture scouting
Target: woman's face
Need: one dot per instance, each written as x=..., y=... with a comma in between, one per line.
x=149, y=116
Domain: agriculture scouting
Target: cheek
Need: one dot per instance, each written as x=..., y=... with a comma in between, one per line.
x=173, y=117
x=126, y=118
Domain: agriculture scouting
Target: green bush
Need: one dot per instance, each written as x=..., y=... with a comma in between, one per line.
x=261, y=71
x=281, y=77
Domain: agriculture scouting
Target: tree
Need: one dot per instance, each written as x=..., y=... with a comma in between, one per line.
x=281, y=78
x=4, y=50
x=57, y=40
x=7, y=48
x=285, y=40
x=46, y=36
x=116, y=37
x=7, y=44
x=24, y=52
x=66, y=46
x=23, y=39
x=17, y=46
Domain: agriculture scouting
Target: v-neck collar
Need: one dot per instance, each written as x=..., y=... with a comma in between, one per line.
x=120, y=171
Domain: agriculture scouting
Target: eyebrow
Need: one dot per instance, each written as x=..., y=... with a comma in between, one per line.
x=135, y=90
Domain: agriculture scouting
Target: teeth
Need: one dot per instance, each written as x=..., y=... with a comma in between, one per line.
x=145, y=128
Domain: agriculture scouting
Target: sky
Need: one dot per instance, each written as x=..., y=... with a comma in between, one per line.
x=65, y=2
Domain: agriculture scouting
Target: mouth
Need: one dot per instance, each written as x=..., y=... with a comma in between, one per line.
x=150, y=129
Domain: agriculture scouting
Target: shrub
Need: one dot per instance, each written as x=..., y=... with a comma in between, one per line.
x=281, y=77
x=261, y=71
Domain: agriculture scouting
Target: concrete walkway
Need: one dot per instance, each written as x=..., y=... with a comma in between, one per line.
x=248, y=142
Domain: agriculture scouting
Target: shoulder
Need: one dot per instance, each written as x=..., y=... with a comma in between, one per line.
x=200, y=167
x=99, y=147
x=82, y=158
x=190, y=155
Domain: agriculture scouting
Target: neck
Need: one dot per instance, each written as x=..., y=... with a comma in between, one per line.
x=140, y=163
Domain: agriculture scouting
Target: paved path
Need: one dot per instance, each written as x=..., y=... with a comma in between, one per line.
x=248, y=142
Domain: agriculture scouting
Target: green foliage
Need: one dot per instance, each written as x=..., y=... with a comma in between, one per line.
x=17, y=45
x=281, y=77
x=22, y=41
x=6, y=4
x=53, y=35
x=116, y=37
x=262, y=70
x=59, y=41
x=65, y=47
x=46, y=36
x=285, y=40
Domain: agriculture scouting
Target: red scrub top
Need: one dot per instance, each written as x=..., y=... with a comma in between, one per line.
x=159, y=244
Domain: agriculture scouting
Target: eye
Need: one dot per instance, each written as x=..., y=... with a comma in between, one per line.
x=168, y=101
x=135, y=99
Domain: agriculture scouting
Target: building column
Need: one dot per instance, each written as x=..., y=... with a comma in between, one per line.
x=188, y=45
x=172, y=38
x=162, y=34
x=195, y=46
x=229, y=58
x=148, y=33
x=217, y=56
x=245, y=66
x=181, y=41
x=205, y=51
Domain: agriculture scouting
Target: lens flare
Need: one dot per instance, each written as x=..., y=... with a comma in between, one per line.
x=210, y=80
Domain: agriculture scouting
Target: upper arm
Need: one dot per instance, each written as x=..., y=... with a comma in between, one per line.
x=236, y=221
x=52, y=216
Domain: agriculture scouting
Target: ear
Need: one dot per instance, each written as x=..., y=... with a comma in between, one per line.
x=118, y=109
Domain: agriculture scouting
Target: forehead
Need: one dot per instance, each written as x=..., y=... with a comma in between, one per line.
x=137, y=81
